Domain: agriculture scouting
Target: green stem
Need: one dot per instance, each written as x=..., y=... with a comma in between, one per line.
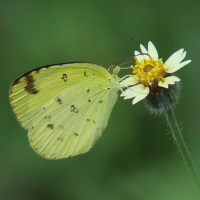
x=176, y=132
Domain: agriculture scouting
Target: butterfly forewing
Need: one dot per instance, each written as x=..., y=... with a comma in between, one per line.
x=65, y=107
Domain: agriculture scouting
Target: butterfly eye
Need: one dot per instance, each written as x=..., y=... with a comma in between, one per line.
x=113, y=69
x=116, y=69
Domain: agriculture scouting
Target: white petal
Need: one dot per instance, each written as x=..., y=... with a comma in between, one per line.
x=173, y=60
x=178, y=66
x=140, y=57
x=140, y=89
x=182, y=56
x=139, y=98
x=129, y=81
x=161, y=84
x=136, y=52
x=132, y=95
x=172, y=79
x=126, y=92
x=143, y=49
x=170, y=83
x=152, y=50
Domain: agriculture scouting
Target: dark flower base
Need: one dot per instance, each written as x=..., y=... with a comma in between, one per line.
x=160, y=99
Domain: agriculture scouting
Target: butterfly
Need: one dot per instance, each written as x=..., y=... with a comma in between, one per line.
x=65, y=107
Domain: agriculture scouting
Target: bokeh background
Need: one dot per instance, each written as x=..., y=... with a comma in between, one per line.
x=136, y=157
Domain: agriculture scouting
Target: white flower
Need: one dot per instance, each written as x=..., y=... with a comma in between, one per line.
x=150, y=74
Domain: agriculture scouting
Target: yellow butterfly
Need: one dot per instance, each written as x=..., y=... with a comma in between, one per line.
x=65, y=107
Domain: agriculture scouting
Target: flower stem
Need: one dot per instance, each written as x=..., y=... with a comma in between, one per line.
x=176, y=132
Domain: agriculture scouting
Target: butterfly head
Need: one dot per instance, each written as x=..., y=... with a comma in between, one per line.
x=114, y=69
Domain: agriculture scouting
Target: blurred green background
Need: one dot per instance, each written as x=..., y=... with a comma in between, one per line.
x=136, y=157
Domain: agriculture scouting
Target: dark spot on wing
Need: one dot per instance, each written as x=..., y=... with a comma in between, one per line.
x=48, y=66
x=59, y=100
x=73, y=109
x=49, y=117
x=76, y=134
x=100, y=101
x=64, y=77
x=89, y=100
x=94, y=122
x=60, y=126
x=108, y=88
x=88, y=90
x=88, y=120
x=51, y=126
x=61, y=139
x=85, y=74
x=30, y=87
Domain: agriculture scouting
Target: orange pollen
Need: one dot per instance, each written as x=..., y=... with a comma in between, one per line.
x=149, y=70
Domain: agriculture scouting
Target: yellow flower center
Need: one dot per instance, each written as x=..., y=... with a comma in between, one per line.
x=149, y=70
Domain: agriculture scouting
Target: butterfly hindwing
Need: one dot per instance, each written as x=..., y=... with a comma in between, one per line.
x=64, y=107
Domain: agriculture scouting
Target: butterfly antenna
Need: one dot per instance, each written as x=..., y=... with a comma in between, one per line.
x=130, y=60
x=125, y=63
x=123, y=48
